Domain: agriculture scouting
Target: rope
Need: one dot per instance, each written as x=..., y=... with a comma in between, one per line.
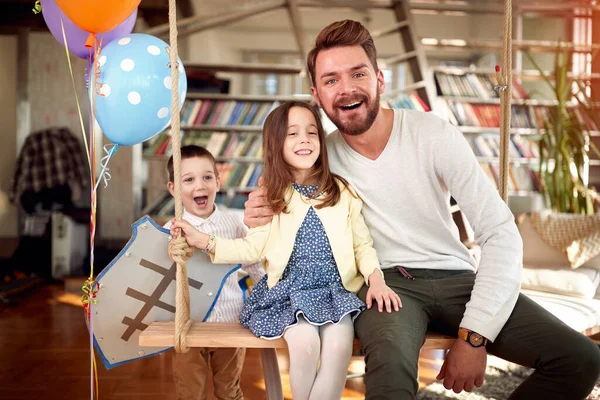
x=504, y=78
x=179, y=251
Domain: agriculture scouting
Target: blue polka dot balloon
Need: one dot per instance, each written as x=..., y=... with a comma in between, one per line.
x=135, y=94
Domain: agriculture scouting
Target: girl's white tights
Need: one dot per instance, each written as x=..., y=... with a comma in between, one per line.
x=329, y=343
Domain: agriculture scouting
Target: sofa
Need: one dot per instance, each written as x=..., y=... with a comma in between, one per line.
x=572, y=295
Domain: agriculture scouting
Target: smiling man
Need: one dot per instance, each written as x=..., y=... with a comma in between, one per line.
x=405, y=165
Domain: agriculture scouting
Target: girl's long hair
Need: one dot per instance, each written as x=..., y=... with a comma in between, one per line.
x=278, y=174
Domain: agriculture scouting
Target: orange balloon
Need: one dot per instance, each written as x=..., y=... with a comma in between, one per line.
x=97, y=16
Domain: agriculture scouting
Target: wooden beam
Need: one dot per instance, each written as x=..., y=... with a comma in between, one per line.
x=407, y=89
x=245, y=68
x=530, y=74
x=389, y=29
x=495, y=8
x=414, y=53
x=164, y=27
x=362, y=4
x=524, y=45
x=296, y=21
x=188, y=26
x=442, y=6
x=400, y=58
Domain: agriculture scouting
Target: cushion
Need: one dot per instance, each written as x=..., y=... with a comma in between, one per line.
x=576, y=235
x=536, y=252
x=580, y=314
x=539, y=254
x=582, y=282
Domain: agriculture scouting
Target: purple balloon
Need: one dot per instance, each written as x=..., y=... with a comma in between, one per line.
x=76, y=36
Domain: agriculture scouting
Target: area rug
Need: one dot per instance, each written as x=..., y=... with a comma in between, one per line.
x=501, y=379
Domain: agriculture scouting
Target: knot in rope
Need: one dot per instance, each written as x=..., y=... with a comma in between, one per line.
x=179, y=250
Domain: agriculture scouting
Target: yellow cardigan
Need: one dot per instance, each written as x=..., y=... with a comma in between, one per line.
x=348, y=235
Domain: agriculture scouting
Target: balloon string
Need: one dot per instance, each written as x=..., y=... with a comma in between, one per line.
x=104, y=172
x=87, y=148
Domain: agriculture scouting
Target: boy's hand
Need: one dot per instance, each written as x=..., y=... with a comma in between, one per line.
x=193, y=236
x=257, y=210
x=381, y=293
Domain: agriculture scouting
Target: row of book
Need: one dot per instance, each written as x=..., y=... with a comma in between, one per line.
x=220, y=144
x=484, y=115
x=522, y=116
x=410, y=101
x=521, y=178
x=225, y=112
x=488, y=145
x=473, y=85
x=240, y=176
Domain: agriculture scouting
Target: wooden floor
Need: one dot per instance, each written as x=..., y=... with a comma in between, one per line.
x=44, y=353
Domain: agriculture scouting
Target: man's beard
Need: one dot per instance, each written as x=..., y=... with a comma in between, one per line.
x=357, y=126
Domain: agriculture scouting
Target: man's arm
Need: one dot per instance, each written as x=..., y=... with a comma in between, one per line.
x=257, y=210
x=499, y=273
x=498, y=278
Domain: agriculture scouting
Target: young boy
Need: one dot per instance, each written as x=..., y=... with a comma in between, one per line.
x=200, y=184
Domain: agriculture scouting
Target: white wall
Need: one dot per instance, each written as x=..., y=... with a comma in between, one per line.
x=8, y=128
x=50, y=87
x=51, y=99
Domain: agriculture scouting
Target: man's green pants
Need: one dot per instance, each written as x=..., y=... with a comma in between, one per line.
x=567, y=364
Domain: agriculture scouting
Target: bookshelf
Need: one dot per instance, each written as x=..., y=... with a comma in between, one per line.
x=467, y=99
x=230, y=127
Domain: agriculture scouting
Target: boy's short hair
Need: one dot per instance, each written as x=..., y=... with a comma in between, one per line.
x=191, y=151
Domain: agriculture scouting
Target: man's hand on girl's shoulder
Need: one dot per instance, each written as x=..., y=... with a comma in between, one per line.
x=257, y=210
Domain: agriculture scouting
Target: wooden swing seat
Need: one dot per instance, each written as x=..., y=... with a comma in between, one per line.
x=211, y=334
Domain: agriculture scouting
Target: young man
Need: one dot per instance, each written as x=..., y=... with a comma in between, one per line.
x=405, y=165
x=199, y=187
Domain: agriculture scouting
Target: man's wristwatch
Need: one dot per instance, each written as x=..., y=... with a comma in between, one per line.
x=473, y=338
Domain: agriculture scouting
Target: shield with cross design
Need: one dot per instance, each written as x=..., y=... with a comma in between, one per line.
x=138, y=288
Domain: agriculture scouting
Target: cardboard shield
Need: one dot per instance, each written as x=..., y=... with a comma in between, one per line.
x=138, y=288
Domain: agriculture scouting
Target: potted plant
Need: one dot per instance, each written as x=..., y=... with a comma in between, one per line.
x=564, y=142
x=569, y=224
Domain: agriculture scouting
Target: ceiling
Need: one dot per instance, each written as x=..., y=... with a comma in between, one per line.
x=17, y=14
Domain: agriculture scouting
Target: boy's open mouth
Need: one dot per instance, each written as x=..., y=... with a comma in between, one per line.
x=201, y=200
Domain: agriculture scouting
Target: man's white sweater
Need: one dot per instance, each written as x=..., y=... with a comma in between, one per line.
x=406, y=193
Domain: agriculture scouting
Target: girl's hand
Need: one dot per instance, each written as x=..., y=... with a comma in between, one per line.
x=382, y=294
x=193, y=236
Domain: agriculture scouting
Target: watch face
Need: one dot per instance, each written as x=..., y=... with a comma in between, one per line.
x=475, y=339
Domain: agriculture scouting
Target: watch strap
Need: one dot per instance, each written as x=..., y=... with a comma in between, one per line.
x=465, y=335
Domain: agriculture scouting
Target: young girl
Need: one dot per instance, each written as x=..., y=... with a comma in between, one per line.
x=317, y=252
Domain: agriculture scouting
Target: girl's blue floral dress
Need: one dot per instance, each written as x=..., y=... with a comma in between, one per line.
x=310, y=285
